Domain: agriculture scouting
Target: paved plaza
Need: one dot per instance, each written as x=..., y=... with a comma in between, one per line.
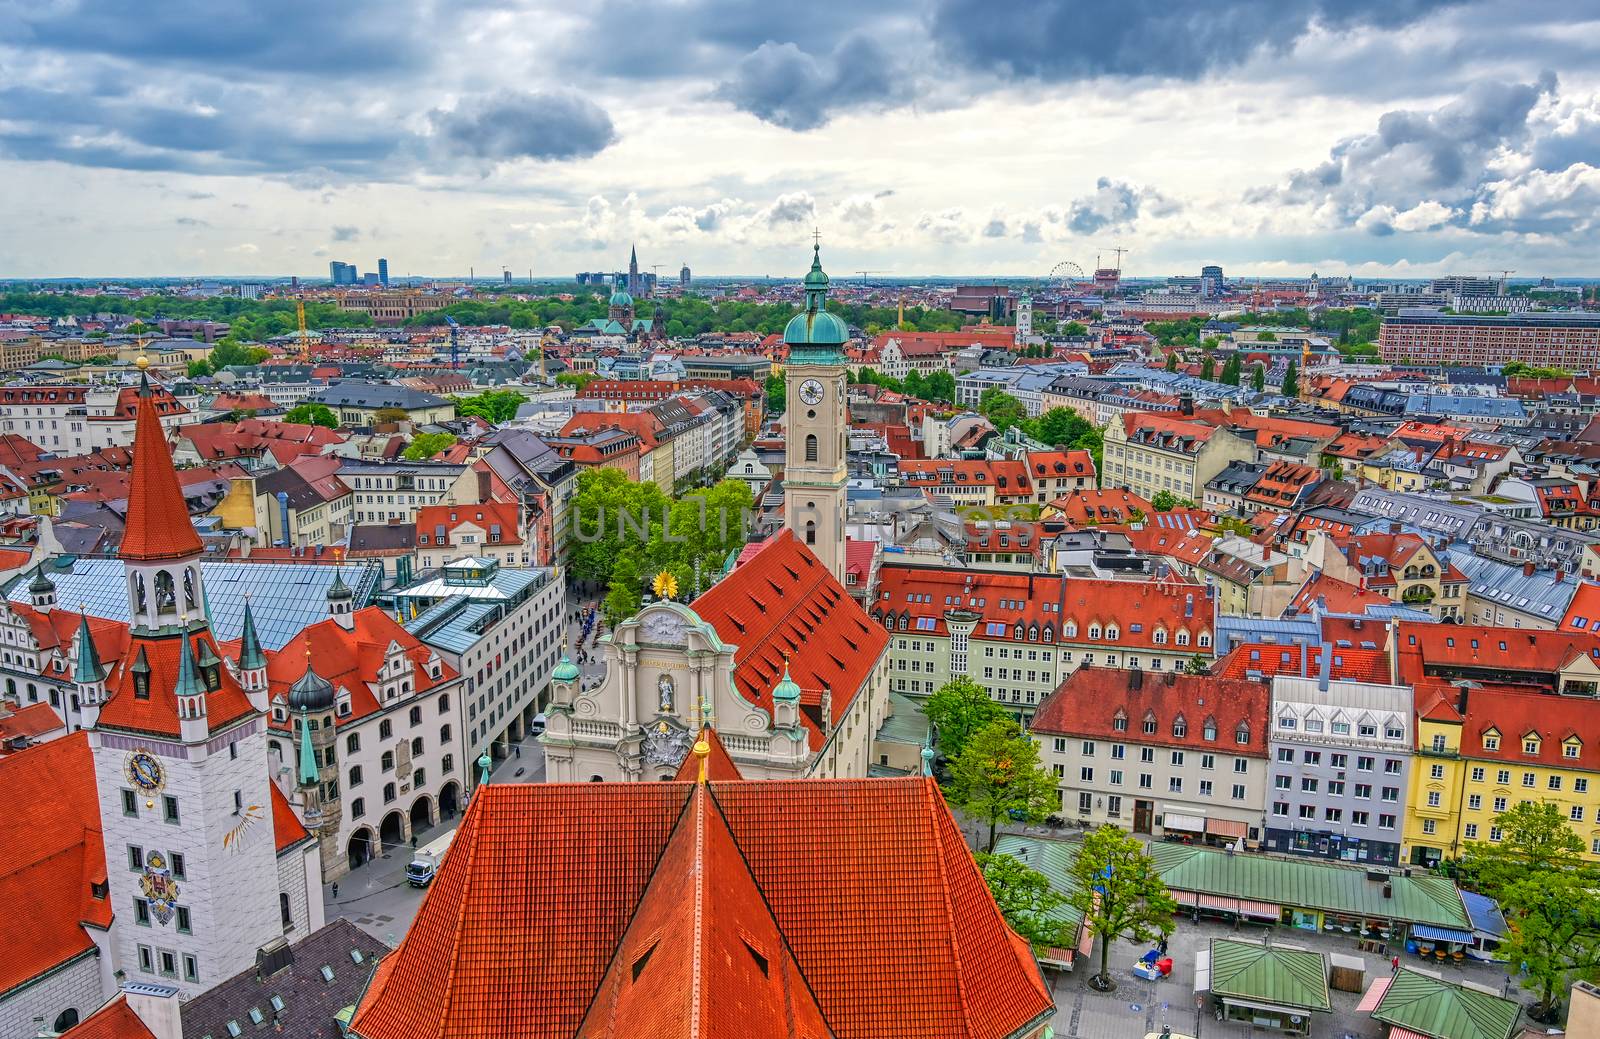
x=1140, y=1007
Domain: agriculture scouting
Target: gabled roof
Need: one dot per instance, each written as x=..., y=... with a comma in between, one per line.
x=1092, y=699
x=781, y=605
x=157, y=523
x=52, y=831
x=1440, y=1009
x=286, y=826
x=859, y=895
x=353, y=660
x=157, y=713
x=1269, y=974
x=115, y=1020
x=720, y=766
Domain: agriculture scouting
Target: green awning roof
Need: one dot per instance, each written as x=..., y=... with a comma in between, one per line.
x=1052, y=858
x=1269, y=974
x=1434, y=1007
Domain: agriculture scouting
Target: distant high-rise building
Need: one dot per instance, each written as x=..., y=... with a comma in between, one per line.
x=1465, y=285
x=683, y=277
x=1211, y=283
x=251, y=290
x=505, y=276
x=370, y=279
x=383, y=272
x=341, y=273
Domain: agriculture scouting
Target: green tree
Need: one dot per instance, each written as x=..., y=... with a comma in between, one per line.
x=998, y=776
x=777, y=394
x=577, y=380
x=1291, y=380
x=625, y=595
x=426, y=445
x=1232, y=369
x=493, y=406
x=313, y=415
x=1073, y=328
x=1114, y=884
x=1258, y=377
x=1027, y=901
x=198, y=368
x=1535, y=837
x=1208, y=368
x=1267, y=337
x=958, y=709
x=940, y=386
x=1196, y=665
x=389, y=416
x=230, y=353
x=1166, y=501
x=1554, y=920
x=1001, y=409
x=1172, y=360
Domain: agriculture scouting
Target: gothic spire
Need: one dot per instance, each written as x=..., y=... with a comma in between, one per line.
x=157, y=524
x=250, y=655
x=88, y=668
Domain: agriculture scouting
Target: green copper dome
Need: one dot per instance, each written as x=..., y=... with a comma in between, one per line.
x=787, y=690
x=814, y=335
x=620, y=298
x=566, y=671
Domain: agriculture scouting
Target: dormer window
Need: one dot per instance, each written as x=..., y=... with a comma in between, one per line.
x=1119, y=722
x=1180, y=728
x=1491, y=743
x=1149, y=724
x=1530, y=745
x=1209, y=731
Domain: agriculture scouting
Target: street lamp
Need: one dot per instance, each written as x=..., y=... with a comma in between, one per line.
x=1199, y=1005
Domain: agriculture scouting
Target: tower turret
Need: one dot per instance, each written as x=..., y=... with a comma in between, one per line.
x=88, y=673
x=341, y=603
x=814, y=475
x=252, y=662
x=190, y=690
x=41, y=590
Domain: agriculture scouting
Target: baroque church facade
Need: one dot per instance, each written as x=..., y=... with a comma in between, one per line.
x=776, y=657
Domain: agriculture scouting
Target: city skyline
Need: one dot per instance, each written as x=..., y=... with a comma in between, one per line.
x=921, y=138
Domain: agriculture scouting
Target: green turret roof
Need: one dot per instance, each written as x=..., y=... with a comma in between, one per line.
x=250, y=654
x=620, y=298
x=189, y=683
x=566, y=671
x=338, y=589
x=814, y=335
x=40, y=584
x=88, y=668
x=787, y=689
x=308, y=774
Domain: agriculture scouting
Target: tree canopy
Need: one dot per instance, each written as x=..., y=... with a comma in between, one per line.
x=998, y=776
x=959, y=709
x=1027, y=901
x=313, y=415
x=426, y=445
x=1115, y=885
x=493, y=406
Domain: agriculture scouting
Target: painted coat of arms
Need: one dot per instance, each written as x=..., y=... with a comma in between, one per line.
x=160, y=890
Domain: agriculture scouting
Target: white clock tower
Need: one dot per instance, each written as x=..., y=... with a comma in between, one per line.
x=814, y=475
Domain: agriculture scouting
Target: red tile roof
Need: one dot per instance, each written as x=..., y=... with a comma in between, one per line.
x=1093, y=699
x=781, y=606
x=1519, y=718
x=286, y=826
x=157, y=713
x=1518, y=654
x=1583, y=613
x=1060, y=465
x=1100, y=506
x=486, y=517
x=1268, y=659
x=32, y=721
x=640, y=909
x=352, y=660
x=157, y=523
x=115, y=1020
x=1337, y=596
x=51, y=830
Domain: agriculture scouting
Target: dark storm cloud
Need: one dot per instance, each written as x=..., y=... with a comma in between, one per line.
x=301, y=36
x=1412, y=157
x=1058, y=40
x=1113, y=204
x=781, y=84
x=540, y=125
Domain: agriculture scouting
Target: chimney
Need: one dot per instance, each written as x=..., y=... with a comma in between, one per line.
x=1325, y=668
x=1527, y=568
x=1135, y=680
x=1461, y=698
x=1394, y=526
x=156, y=1006
x=483, y=485
x=1186, y=403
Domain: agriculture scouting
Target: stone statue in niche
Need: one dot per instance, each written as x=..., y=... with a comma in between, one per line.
x=665, y=694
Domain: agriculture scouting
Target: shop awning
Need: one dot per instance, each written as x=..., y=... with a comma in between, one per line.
x=1226, y=828
x=1440, y=934
x=1374, y=995
x=1189, y=823
x=1396, y=1032
x=1060, y=958
x=1085, y=939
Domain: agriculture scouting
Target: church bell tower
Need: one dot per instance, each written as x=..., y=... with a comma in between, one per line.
x=815, y=474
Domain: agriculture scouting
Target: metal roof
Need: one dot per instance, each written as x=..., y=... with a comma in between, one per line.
x=285, y=598
x=1271, y=974
x=1484, y=913
x=1539, y=594
x=1052, y=858
x=1434, y=1007
x=1310, y=885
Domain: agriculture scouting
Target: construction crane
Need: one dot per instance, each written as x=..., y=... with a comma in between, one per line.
x=455, y=346
x=1119, y=250
x=864, y=274
x=300, y=315
x=1505, y=281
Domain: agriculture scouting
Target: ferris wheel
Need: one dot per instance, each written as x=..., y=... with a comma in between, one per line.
x=1063, y=277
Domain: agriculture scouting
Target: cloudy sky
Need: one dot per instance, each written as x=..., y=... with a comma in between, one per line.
x=920, y=136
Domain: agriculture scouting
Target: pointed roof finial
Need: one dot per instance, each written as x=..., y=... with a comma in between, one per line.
x=702, y=751
x=88, y=668
x=485, y=763
x=309, y=776
x=250, y=655
x=189, y=683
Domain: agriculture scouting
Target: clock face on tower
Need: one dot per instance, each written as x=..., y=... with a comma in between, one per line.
x=144, y=771
x=811, y=392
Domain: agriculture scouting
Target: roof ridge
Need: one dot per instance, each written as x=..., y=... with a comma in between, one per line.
x=697, y=804
x=949, y=907
x=448, y=995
